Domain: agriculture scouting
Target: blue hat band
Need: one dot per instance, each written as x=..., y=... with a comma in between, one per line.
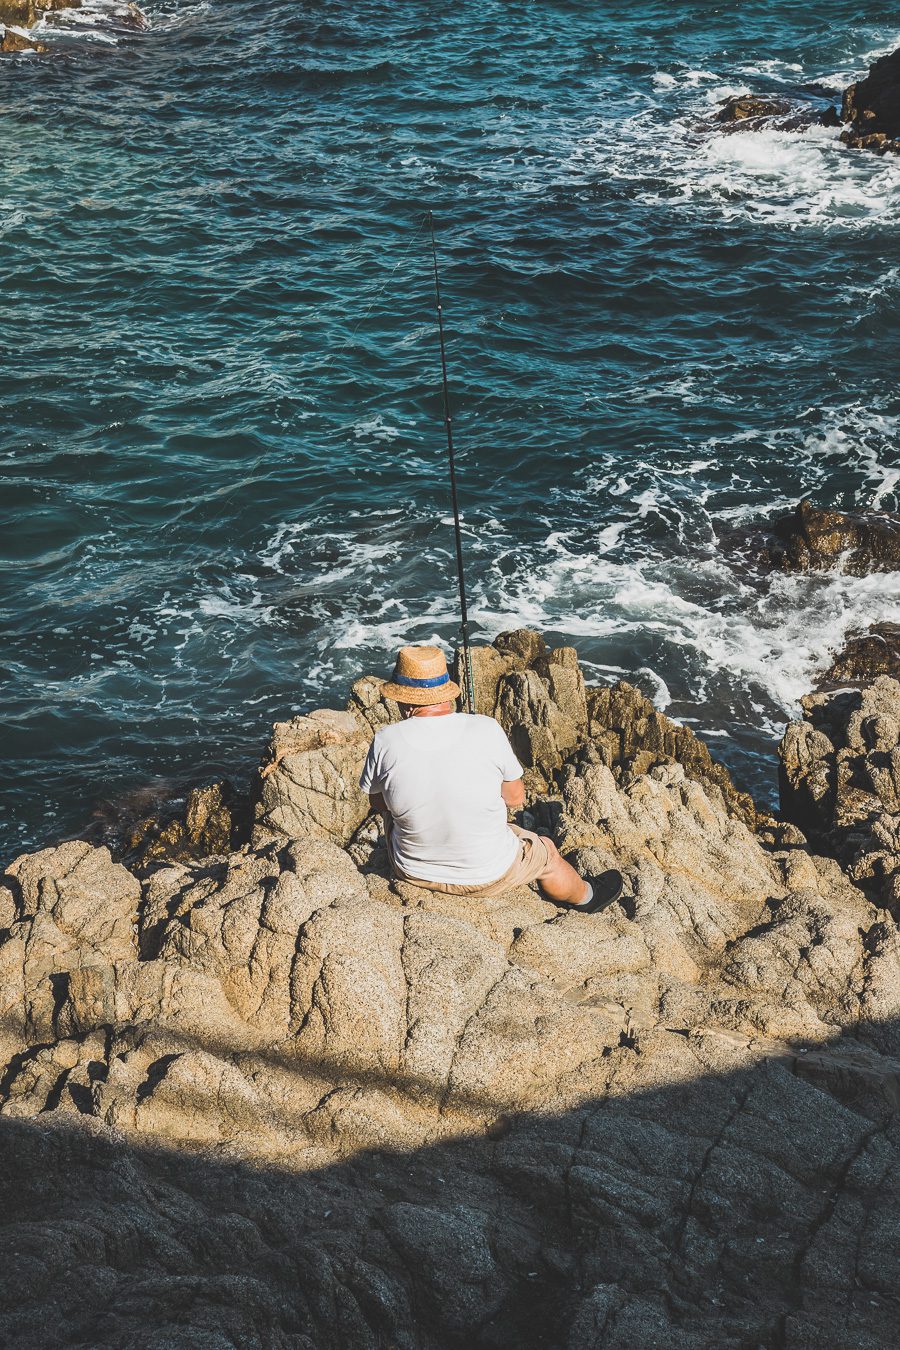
x=408, y=682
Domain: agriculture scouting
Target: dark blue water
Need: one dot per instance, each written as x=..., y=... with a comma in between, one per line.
x=224, y=489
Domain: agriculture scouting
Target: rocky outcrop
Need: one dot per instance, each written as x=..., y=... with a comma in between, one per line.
x=18, y=17
x=540, y=698
x=870, y=110
x=871, y=107
x=214, y=820
x=751, y=107
x=310, y=773
x=20, y=40
x=275, y=1098
x=750, y=112
x=865, y=656
x=840, y=781
x=813, y=539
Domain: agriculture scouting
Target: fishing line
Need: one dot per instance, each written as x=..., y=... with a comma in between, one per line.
x=451, y=458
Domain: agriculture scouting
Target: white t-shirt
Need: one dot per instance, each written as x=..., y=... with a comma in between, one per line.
x=440, y=778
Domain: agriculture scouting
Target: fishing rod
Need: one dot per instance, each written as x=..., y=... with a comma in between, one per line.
x=468, y=682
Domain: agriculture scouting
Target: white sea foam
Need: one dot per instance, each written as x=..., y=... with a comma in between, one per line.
x=801, y=179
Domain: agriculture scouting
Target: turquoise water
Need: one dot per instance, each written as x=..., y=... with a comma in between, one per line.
x=224, y=491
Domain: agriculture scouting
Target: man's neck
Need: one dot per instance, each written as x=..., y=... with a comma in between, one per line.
x=439, y=711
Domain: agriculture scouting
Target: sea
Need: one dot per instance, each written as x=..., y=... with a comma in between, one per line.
x=223, y=473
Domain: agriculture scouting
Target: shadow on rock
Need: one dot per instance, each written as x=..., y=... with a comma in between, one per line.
x=750, y=1198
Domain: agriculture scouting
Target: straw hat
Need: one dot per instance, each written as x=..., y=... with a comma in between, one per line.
x=420, y=677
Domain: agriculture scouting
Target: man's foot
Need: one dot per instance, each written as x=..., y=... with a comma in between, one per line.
x=605, y=890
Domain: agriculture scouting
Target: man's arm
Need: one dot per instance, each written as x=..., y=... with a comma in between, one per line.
x=513, y=793
x=376, y=801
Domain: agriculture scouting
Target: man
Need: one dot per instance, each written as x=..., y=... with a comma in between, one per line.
x=443, y=782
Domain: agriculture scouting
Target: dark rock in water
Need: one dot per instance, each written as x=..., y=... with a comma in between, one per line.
x=21, y=15
x=872, y=108
x=751, y=107
x=866, y=656
x=215, y=821
x=840, y=780
x=749, y=112
x=813, y=538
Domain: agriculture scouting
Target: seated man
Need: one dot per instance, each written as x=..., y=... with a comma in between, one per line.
x=443, y=781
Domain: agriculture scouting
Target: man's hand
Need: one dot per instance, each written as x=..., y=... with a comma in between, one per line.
x=513, y=793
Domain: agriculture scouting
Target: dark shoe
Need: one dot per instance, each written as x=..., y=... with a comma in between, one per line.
x=607, y=889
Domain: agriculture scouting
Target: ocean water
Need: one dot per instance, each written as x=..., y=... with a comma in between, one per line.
x=224, y=489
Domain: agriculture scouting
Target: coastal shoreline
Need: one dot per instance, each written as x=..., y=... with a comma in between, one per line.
x=330, y=1082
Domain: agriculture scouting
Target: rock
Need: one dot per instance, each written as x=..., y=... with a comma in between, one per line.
x=865, y=656
x=368, y=706
x=750, y=107
x=21, y=15
x=840, y=780
x=632, y=737
x=751, y=112
x=19, y=40
x=310, y=776
x=540, y=698
x=215, y=820
x=488, y=665
x=813, y=538
x=270, y=1098
x=872, y=107
x=18, y=13
x=63, y=908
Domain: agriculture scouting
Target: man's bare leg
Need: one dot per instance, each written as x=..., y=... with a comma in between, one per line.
x=561, y=882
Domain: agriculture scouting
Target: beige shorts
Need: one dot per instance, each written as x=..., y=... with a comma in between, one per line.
x=533, y=861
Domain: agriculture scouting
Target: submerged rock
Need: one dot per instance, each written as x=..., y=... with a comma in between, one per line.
x=872, y=108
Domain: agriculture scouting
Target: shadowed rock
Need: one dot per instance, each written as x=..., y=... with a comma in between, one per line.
x=872, y=108
x=840, y=780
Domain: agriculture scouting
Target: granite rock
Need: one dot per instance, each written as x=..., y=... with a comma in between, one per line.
x=840, y=780
x=273, y=1098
